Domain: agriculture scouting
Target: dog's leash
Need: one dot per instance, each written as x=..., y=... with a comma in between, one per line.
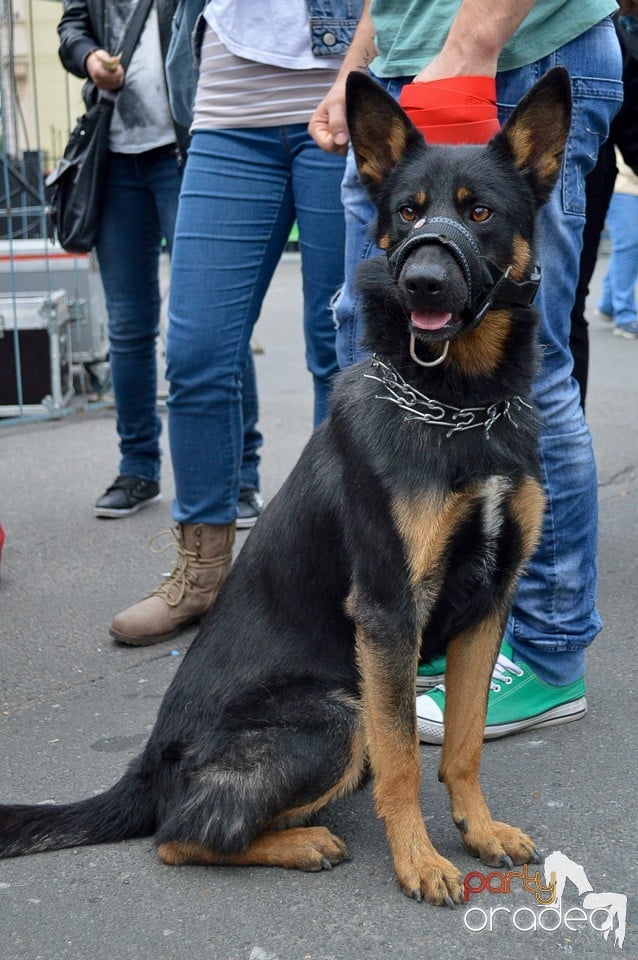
x=435, y=412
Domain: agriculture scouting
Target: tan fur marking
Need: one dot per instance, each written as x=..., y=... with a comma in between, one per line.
x=396, y=137
x=369, y=170
x=426, y=526
x=463, y=194
x=385, y=242
x=521, y=258
x=420, y=198
x=394, y=756
x=523, y=141
x=549, y=166
x=528, y=508
x=479, y=352
x=301, y=848
x=470, y=661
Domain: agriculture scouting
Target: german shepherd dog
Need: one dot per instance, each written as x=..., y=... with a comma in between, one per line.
x=399, y=534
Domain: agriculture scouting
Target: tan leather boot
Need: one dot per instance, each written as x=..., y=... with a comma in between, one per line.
x=205, y=554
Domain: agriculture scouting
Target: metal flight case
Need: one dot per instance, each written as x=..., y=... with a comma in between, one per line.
x=35, y=353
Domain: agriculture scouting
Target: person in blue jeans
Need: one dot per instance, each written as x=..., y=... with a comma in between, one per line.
x=618, y=296
x=252, y=169
x=539, y=675
x=141, y=193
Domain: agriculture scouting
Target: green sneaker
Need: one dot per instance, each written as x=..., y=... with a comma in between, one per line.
x=429, y=674
x=518, y=700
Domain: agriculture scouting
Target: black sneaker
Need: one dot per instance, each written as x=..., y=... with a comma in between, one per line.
x=127, y=495
x=249, y=506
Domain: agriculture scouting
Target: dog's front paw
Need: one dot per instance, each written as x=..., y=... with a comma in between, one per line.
x=501, y=845
x=434, y=879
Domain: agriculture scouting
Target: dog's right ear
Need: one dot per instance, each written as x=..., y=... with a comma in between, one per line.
x=380, y=131
x=535, y=135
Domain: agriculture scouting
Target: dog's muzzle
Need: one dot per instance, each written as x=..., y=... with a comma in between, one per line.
x=488, y=286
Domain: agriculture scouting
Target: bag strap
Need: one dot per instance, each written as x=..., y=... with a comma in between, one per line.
x=130, y=36
x=133, y=31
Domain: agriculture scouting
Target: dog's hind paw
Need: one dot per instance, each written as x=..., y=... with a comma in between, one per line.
x=311, y=848
x=296, y=848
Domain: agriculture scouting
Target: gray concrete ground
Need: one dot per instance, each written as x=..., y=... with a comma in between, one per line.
x=75, y=709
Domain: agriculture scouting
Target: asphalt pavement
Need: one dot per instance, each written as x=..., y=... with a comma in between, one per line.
x=75, y=709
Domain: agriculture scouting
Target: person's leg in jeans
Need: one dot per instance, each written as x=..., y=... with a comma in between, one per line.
x=539, y=675
x=316, y=182
x=234, y=217
x=235, y=214
x=555, y=606
x=128, y=254
x=622, y=272
x=554, y=616
x=140, y=207
x=599, y=184
x=249, y=469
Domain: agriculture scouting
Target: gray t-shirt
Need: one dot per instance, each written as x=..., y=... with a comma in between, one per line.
x=142, y=119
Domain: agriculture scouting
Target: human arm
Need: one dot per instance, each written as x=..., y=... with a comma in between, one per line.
x=476, y=37
x=328, y=126
x=80, y=48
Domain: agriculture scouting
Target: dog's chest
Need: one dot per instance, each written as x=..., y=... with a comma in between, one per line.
x=443, y=531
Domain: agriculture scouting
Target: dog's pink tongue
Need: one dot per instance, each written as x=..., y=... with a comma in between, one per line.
x=429, y=319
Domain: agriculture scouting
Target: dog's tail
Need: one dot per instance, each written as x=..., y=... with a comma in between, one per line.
x=121, y=813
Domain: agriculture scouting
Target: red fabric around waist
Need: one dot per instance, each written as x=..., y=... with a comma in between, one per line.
x=453, y=110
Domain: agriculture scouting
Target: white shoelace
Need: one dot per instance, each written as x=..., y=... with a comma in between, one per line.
x=503, y=668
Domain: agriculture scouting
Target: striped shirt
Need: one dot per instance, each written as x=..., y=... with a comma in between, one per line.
x=233, y=92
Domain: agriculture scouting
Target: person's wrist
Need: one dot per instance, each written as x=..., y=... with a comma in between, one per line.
x=91, y=63
x=460, y=58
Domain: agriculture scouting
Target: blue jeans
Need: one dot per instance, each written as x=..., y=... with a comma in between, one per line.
x=242, y=191
x=555, y=606
x=140, y=208
x=618, y=296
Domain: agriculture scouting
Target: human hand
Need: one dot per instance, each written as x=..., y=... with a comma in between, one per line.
x=105, y=70
x=328, y=126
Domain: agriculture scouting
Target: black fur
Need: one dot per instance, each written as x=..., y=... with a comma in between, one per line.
x=261, y=716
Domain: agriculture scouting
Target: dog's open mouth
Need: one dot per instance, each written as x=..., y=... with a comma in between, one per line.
x=434, y=324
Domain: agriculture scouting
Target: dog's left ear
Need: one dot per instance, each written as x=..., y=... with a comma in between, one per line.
x=536, y=132
x=380, y=132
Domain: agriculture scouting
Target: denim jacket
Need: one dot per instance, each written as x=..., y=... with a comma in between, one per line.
x=332, y=26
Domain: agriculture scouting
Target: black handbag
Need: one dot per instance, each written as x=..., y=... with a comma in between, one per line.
x=75, y=189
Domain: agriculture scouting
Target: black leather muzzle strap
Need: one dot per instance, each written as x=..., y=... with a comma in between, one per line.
x=487, y=285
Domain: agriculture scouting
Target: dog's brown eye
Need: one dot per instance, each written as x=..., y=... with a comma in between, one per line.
x=480, y=214
x=407, y=213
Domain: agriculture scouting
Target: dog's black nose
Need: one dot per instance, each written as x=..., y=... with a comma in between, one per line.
x=431, y=279
x=425, y=282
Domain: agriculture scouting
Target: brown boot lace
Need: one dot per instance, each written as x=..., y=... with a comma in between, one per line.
x=173, y=588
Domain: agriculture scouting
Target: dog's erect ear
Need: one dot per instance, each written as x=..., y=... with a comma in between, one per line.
x=379, y=129
x=537, y=130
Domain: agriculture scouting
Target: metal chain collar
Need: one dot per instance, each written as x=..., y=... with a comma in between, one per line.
x=435, y=412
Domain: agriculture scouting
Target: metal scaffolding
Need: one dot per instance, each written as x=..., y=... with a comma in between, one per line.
x=53, y=326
